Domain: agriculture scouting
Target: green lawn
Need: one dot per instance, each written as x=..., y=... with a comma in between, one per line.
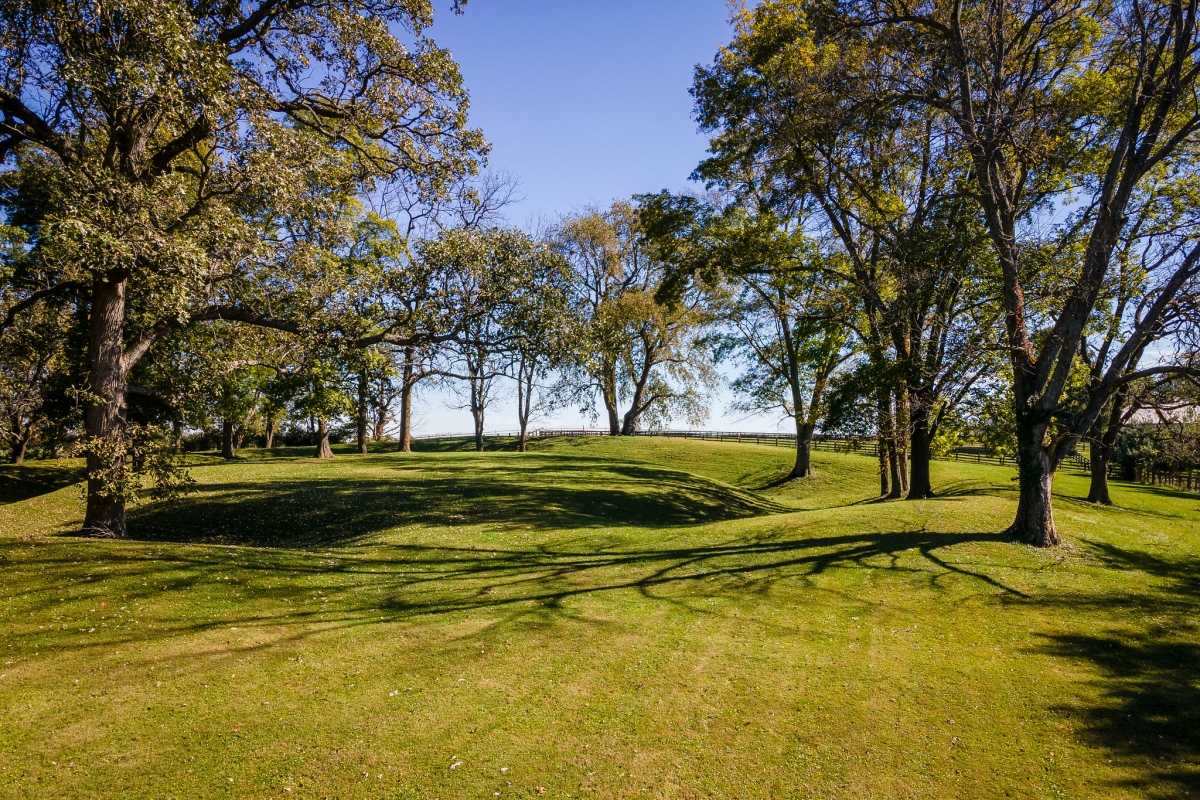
x=604, y=618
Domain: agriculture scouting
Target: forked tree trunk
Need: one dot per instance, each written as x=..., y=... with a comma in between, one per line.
x=270, y=434
x=228, y=451
x=362, y=413
x=921, y=443
x=1034, y=523
x=20, y=440
x=323, y=448
x=105, y=515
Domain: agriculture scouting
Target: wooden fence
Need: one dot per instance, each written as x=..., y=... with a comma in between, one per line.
x=866, y=447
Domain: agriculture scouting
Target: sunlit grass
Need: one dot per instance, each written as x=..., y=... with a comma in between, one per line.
x=609, y=618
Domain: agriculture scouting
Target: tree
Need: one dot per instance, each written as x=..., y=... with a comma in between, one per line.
x=633, y=352
x=884, y=192
x=767, y=281
x=160, y=136
x=542, y=328
x=1046, y=99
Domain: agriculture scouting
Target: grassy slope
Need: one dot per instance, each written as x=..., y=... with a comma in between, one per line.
x=602, y=617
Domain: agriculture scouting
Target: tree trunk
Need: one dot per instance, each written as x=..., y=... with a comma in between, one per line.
x=803, y=466
x=1101, y=450
x=19, y=447
x=227, y=448
x=895, y=471
x=524, y=404
x=103, y=421
x=614, y=419
x=477, y=415
x=901, y=439
x=323, y=448
x=921, y=444
x=1098, y=457
x=381, y=410
x=406, y=393
x=362, y=413
x=270, y=437
x=1034, y=523
x=882, y=424
x=406, y=418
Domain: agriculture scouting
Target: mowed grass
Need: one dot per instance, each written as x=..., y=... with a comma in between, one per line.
x=600, y=618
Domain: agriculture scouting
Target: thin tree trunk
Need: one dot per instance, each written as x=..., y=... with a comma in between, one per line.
x=1034, y=523
x=381, y=410
x=524, y=403
x=362, y=413
x=882, y=424
x=270, y=437
x=901, y=438
x=477, y=405
x=323, y=448
x=406, y=393
x=227, y=447
x=103, y=421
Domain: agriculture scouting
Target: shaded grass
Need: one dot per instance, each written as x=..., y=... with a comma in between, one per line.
x=612, y=618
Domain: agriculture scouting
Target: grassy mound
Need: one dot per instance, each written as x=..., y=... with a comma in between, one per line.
x=611, y=618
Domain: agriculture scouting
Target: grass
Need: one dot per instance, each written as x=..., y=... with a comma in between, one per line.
x=604, y=618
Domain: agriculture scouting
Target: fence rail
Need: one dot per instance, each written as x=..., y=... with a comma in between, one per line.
x=866, y=447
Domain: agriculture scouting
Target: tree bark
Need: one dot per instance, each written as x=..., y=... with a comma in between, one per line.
x=882, y=423
x=900, y=437
x=18, y=449
x=323, y=448
x=227, y=448
x=1034, y=523
x=406, y=393
x=921, y=447
x=609, y=393
x=270, y=434
x=103, y=420
x=362, y=413
x=1098, y=457
x=803, y=466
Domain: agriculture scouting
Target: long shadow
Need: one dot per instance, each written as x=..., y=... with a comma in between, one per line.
x=414, y=580
x=1149, y=713
x=21, y=482
x=539, y=493
x=1148, y=716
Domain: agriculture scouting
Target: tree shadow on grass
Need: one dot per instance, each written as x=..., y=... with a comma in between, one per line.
x=21, y=482
x=538, y=493
x=1148, y=716
x=411, y=580
x=1149, y=712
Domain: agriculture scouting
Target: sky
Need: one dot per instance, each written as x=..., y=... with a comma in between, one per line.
x=583, y=102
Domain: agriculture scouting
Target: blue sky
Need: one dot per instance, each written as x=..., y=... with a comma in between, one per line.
x=584, y=101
